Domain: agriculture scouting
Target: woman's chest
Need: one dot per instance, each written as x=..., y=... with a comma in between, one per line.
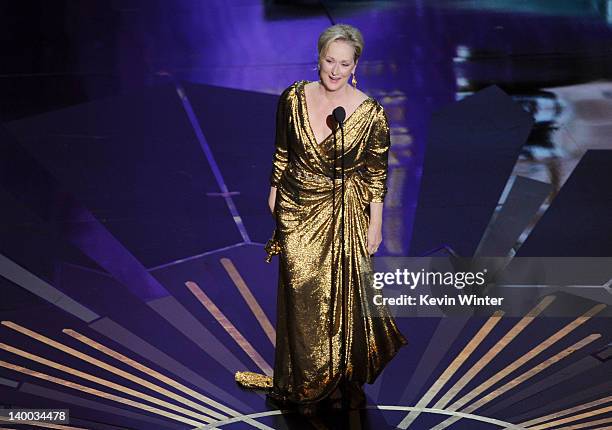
x=321, y=122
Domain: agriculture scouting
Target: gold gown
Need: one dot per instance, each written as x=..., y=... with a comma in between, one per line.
x=309, y=329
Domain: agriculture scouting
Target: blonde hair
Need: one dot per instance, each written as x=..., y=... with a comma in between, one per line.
x=344, y=32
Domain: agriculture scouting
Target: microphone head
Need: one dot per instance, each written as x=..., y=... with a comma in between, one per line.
x=339, y=114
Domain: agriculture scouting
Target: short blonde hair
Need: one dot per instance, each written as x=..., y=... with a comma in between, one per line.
x=344, y=32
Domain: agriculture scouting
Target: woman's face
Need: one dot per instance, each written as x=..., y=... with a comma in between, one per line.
x=337, y=65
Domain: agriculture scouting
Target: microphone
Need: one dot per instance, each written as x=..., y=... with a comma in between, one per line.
x=339, y=115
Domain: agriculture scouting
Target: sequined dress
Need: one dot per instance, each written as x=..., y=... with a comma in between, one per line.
x=310, y=342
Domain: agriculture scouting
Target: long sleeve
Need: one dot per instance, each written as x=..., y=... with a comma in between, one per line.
x=281, y=152
x=377, y=153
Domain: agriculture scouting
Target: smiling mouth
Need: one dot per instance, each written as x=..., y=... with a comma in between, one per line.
x=334, y=79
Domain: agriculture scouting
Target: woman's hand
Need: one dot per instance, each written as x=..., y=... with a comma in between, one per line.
x=374, y=237
x=272, y=199
x=375, y=227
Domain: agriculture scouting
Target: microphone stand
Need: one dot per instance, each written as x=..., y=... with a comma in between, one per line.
x=342, y=258
x=342, y=261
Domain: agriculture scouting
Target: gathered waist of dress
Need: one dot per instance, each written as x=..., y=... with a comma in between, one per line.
x=306, y=174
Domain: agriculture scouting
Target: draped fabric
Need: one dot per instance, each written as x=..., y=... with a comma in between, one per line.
x=314, y=331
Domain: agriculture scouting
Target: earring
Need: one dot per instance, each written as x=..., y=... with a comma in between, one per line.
x=354, y=81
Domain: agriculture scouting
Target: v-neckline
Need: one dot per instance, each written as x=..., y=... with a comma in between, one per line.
x=307, y=116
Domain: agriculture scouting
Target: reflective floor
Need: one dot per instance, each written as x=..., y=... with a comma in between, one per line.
x=134, y=209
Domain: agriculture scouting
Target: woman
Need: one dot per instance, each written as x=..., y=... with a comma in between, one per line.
x=325, y=350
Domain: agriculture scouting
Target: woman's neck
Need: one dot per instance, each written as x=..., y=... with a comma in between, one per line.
x=333, y=97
